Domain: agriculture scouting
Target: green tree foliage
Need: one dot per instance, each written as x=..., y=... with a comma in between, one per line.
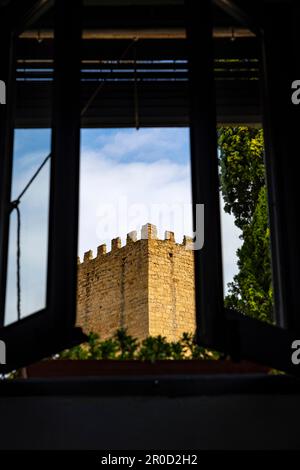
x=242, y=172
x=124, y=347
x=242, y=181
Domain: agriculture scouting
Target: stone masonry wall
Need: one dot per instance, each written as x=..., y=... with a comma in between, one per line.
x=171, y=288
x=146, y=286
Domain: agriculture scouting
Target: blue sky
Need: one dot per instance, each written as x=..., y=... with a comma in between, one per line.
x=128, y=178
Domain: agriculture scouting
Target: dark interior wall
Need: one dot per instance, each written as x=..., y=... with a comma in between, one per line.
x=231, y=420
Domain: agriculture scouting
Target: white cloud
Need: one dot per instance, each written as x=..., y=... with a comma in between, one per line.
x=110, y=192
x=119, y=194
x=144, y=145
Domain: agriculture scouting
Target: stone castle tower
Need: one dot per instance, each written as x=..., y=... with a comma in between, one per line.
x=146, y=286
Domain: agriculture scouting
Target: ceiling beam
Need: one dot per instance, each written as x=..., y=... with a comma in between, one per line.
x=155, y=33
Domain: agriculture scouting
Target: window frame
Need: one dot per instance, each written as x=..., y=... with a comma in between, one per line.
x=237, y=335
x=217, y=327
x=53, y=328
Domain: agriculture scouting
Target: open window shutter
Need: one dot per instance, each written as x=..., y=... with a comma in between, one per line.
x=226, y=330
x=53, y=328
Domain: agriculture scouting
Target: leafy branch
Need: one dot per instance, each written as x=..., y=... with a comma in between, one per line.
x=122, y=346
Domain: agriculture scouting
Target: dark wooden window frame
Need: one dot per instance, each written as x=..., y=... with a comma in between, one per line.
x=53, y=329
x=217, y=327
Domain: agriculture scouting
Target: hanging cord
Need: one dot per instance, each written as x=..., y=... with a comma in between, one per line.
x=83, y=111
x=18, y=262
x=136, y=94
x=99, y=88
x=14, y=205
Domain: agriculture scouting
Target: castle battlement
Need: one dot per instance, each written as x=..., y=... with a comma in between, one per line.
x=148, y=232
x=145, y=286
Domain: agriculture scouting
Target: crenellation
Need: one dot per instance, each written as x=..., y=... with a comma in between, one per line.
x=169, y=236
x=101, y=250
x=188, y=242
x=148, y=232
x=88, y=255
x=131, y=237
x=116, y=244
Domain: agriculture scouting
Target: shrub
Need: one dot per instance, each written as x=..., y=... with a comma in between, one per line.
x=122, y=346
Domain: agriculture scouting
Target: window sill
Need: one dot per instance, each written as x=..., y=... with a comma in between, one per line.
x=100, y=368
x=165, y=378
x=169, y=385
